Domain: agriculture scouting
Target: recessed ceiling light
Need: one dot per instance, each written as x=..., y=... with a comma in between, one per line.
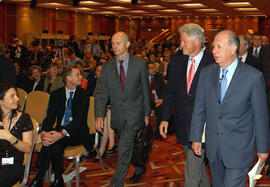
x=246, y=9
x=116, y=7
x=90, y=3
x=125, y=1
x=137, y=11
x=84, y=8
x=176, y=1
x=207, y=10
x=192, y=5
x=20, y=0
x=152, y=6
x=237, y=4
x=170, y=10
x=53, y=4
x=106, y=12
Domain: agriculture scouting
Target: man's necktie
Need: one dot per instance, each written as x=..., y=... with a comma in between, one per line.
x=152, y=88
x=256, y=53
x=122, y=75
x=240, y=58
x=223, y=83
x=68, y=113
x=191, y=74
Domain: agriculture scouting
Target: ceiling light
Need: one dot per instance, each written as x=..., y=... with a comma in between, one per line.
x=125, y=1
x=137, y=11
x=207, y=10
x=53, y=4
x=170, y=10
x=90, y=3
x=246, y=9
x=152, y=6
x=192, y=5
x=106, y=12
x=176, y=1
x=116, y=7
x=237, y=4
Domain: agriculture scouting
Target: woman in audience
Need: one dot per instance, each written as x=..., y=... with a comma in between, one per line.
x=108, y=133
x=15, y=136
x=37, y=82
x=52, y=81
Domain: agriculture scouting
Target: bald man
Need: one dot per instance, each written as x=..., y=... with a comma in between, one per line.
x=231, y=100
x=124, y=80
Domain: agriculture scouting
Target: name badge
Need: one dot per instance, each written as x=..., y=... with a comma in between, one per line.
x=8, y=161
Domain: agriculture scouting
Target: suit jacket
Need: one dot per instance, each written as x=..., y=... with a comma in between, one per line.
x=159, y=86
x=176, y=94
x=30, y=84
x=239, y=123
x=130, y=106
x=252, y=61
x=57, y=83
x=56, y=110
x=7, y=71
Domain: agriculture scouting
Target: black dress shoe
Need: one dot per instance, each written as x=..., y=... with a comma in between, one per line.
x=158, y=138
x=58, y=182
x=136, y=177
x=36, y=182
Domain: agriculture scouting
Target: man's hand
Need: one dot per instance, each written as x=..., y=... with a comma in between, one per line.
x=163, y=128
x=46, y=138
x=55, y=136
x=146, y=121
x=197, y=148
x=263, y=157
x=158, y=102
x=99, y=124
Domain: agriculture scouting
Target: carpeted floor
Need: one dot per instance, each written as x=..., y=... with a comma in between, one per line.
x=165, y=168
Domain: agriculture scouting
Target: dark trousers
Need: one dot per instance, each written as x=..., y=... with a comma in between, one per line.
x=125, y=149
x=226, y=177
x=158, y=120
x=54, y=153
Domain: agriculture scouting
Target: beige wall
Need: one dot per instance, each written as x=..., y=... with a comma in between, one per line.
x=83, y=24
x=28, y=21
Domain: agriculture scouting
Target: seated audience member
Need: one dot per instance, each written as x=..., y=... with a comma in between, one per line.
x=157, y=85
x=108, y=132
x=52, y=81
x=37, y=82
x=21, y=77
x=71, y=127
x=73, y=58
x=60, y=65
x=15, y=136
x=92, y=79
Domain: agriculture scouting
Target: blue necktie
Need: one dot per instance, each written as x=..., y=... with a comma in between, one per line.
x=223, y=83
x=256, y=53
x=68, y=113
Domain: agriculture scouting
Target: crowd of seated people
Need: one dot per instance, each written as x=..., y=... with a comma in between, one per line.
x=38, y=69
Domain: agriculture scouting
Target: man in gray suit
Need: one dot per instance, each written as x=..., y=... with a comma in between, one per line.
x=124, y=80
x=231, y=100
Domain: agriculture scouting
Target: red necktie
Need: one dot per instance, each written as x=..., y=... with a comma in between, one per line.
x=191, y=74
x=152, y=88
x=122, y=75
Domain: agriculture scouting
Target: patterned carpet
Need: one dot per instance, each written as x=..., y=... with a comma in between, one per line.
x=165, y=168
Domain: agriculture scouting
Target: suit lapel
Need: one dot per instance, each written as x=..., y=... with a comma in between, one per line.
x=117, y=77
x=62, y=102
x=215, y=79
x=236, y=79
x=131, y=66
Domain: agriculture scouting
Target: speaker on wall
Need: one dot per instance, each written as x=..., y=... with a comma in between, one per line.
x=33, y=4
x=59, y=32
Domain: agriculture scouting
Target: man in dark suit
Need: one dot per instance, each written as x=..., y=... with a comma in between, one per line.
x=7, y=70
x=157, y=85
x=231, y=100
x=180, y=95
x=243, y=54
x=124, y=80
x=69, y=105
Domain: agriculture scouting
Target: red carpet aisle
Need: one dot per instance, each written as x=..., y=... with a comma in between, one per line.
x=165, y=168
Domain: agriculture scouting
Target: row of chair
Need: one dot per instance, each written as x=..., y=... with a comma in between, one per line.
x=35, y=104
